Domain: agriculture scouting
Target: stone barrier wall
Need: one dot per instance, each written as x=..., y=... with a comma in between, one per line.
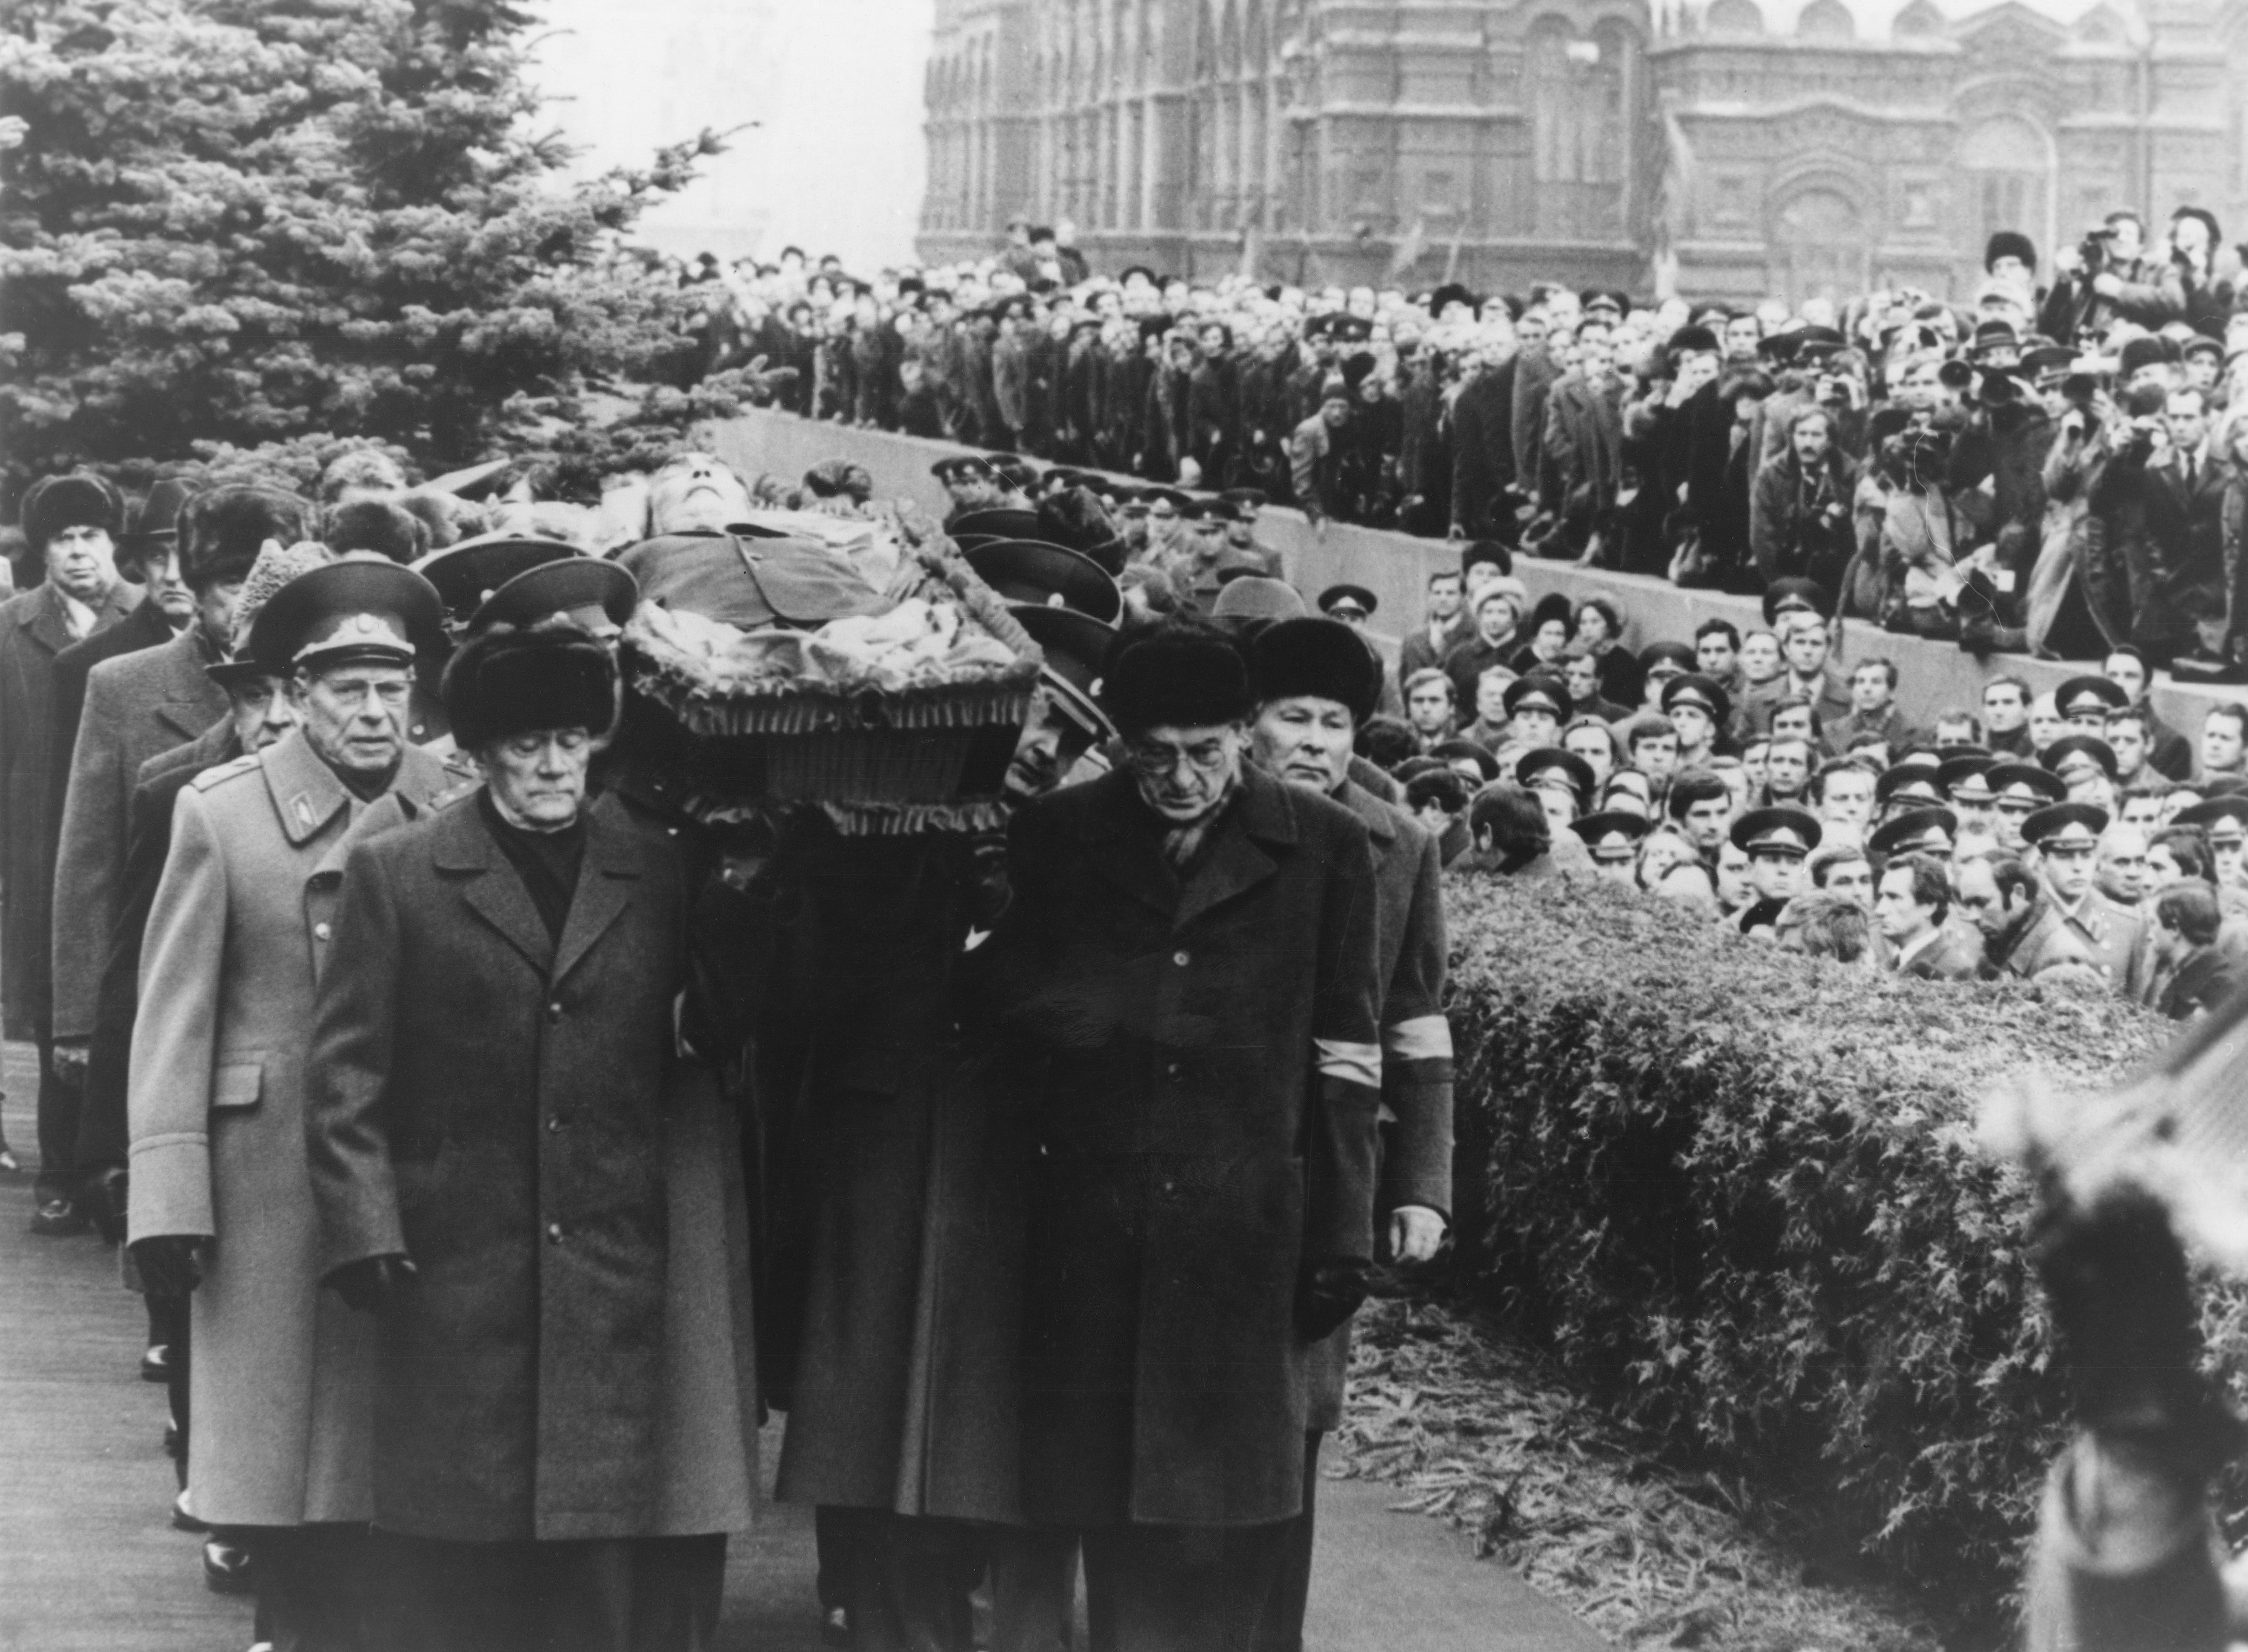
x=1396, y=568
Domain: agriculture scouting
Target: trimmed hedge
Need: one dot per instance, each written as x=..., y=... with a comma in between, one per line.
x=1738, y=1193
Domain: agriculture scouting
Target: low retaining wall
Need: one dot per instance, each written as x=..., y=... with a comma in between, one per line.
x=1396, y=568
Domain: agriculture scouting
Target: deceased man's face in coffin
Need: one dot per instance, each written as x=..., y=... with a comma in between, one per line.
x=695, y=493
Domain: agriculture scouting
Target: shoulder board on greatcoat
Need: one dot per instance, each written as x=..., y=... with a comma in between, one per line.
x=246, y=764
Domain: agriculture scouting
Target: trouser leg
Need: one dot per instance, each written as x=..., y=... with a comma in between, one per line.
x=1172, y=1588
x=1280, y=1622
x=312, y=1586
x=910, y=1581
x=173, y=1311
x=679, y=1587
x=1033, y=1587
x=623, y=1594
x=832, y=1532
x=58, y=1110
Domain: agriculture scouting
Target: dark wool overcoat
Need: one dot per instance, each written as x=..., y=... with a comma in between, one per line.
x=32, y=632
x=493, y=1106
x=1416, y=1044
x=1204, y=1113
x=129, y=709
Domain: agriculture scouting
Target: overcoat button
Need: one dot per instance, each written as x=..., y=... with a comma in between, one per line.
x=554, y=1233
x=1179, y=958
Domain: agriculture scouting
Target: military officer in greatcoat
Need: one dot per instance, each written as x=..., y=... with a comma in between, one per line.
x=1315, y=683
x=2075, y=923
x=1188, y=965
x=220, y=1201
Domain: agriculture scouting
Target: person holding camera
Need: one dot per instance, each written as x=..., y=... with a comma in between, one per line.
x=1802, y=527
x=2108, y=275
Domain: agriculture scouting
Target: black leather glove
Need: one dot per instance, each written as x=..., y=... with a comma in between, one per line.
x=171, y=1264
x=1329, y=1290
x=2123, y=1315
x=372, y=1283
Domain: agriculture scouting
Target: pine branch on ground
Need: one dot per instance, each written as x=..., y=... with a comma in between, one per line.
x=1473, y=1428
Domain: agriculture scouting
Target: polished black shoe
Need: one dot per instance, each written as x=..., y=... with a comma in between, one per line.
x=226, y=1568
x=183, y=1521
x=835, y=1627
x=58, y=1218
x=172, y=1441
x=156, y=1363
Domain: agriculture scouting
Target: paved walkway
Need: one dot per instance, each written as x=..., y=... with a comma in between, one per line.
x=89, y=1562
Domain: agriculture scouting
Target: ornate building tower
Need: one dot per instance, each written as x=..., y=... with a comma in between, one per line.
x=1741, y=147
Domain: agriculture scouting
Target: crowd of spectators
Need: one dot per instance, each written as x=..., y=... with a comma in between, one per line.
x=2051, y=466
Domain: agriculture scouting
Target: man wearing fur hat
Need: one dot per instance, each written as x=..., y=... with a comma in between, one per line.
x=136, y=706
x=70, y=524
x=1315, y=684
x=486, y=1114
x=1190, y=954
x=241, y=929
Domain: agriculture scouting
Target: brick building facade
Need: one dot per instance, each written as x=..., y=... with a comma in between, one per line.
x=1795, y=146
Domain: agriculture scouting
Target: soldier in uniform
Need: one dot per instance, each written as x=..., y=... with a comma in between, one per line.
x=1613, y=838
x=1965, y=782
x=1930, y=831
x=1776, y=841
x=1314, y=685
x=2019, y=789
x=134, y=707
x=221, y=1200
x=2075, y=924
x=2086, y=765
x=258, y=714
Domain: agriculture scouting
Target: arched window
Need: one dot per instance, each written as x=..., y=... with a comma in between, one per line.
x=1826, y=20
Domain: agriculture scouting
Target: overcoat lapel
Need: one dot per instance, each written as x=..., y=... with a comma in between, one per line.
x=1127, y=851
x=1239, y=861
x=464, y=853
x=605, y=884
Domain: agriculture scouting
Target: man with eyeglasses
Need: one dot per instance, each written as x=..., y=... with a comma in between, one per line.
x=1189, y=953
x=239, y=932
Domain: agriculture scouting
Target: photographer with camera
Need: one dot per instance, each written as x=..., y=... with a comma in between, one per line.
x=1802, y=527
x=2107, y=275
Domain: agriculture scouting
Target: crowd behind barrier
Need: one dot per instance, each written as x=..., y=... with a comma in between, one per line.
x=2049, y=467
